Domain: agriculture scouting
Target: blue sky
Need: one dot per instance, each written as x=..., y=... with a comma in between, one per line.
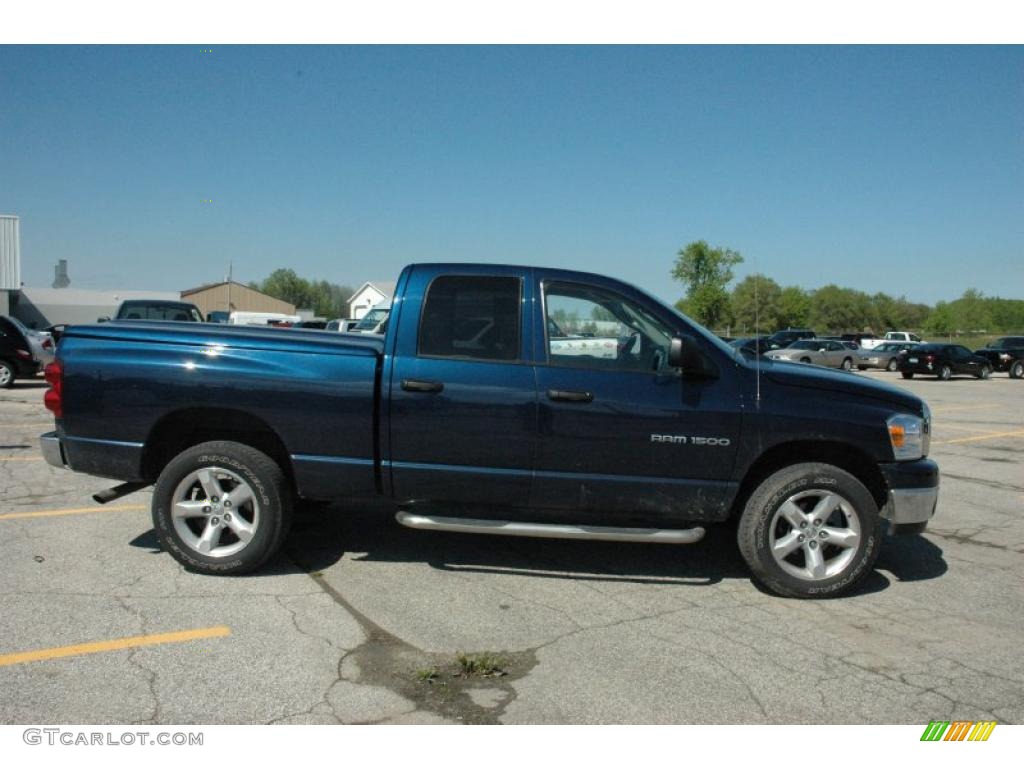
x=897, y=169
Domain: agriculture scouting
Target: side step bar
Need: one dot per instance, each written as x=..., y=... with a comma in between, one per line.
x=547, y=531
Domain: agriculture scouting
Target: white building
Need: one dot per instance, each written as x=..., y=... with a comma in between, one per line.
x=10, y=262
x=370, y=294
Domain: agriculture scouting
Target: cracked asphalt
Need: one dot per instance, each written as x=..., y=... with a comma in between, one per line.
x=361, y=621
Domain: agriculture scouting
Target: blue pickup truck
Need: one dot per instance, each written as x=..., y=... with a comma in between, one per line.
x=501, y=400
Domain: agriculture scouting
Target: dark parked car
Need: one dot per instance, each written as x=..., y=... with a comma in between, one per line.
x=756, y=344
x=782, y=339
x=16, y=358
x=148, y=309
x=1005, y=354
x=943, y=361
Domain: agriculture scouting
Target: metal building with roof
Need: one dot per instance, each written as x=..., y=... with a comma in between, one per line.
x=229, y=296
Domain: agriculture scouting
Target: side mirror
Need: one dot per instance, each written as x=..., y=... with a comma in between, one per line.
x=103, y=319
x=684, y=353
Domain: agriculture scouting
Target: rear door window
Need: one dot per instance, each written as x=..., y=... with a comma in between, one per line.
x=473, y=317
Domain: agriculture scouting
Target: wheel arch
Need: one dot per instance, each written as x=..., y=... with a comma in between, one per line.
x=181, y=429
x=847, y=457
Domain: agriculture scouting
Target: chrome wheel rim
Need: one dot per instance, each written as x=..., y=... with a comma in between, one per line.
x=814, y=535
x=5, y=375
x=892, y=365
x=215, y=512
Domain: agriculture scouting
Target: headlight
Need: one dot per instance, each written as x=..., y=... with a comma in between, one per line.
x=909, y=435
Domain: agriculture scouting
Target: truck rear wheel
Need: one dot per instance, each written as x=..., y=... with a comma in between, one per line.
x=810, y=531
x=222, y=508
x=1017, y=370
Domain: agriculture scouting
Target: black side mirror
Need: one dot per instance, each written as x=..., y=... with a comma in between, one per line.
x=684, y=353
x=102, y=319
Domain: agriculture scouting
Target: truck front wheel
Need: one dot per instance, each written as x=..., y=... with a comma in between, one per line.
x=222, y=508
x=810, y=531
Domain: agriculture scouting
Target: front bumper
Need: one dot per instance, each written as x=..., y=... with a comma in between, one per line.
x=53, y=451
x=913, y=491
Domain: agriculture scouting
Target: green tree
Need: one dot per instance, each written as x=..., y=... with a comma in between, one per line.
x=755, y=303
x=840, y=309
x=705, y=271
x=794, y=307
x=971, y=312
x=940, y=320
x=324, y=298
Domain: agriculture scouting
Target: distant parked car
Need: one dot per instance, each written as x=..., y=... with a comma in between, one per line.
x=943, y=361
x=782, y=339
x=316, y=325
x=374, y=321
x=892, y=336
x=218, y=316
x=756, y=344
x=154, y=309
x=833, y=354
x=1005, y=354
x=16, y=360
x=885, y=355
x=865, y=340
x=40, y=343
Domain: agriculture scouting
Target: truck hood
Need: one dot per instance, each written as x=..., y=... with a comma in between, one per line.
x=828, y=379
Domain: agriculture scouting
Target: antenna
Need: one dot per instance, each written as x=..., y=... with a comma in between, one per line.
x=757, y=333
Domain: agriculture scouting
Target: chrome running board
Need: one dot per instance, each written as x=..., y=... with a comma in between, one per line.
x=548, y=531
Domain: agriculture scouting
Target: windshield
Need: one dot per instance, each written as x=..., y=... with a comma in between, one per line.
x=806, y=344
x=371, y=319
x=1007, y=342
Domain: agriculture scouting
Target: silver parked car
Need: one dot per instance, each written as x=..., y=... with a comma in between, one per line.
x=833, y=354
x=40, y=343
x=886, y=355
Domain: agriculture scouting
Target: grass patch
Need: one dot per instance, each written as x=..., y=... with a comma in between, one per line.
x=484, y=664
x=428, y=674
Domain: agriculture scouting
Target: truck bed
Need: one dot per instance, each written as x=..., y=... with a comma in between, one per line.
x=315, y=391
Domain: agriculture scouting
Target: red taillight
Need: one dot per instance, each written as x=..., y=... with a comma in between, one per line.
x=53, y=399
x=47, y=344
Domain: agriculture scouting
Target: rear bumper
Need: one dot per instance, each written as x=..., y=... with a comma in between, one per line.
x=53, y=451
x=913, y=491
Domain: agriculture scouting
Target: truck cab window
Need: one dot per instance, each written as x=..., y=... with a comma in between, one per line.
x=590, y=327
x=470, y=316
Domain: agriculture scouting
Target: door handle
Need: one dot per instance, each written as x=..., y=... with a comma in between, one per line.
x=570, y=396
x=420, y=385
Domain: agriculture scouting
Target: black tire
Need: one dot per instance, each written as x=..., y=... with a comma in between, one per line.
x=945, y=373
x=985, y=372
x=805, y=360
x=909, y=529
x=237, y=470
x=862, y=367
x=907, y=374
x=7, y=375
x=892, y=366
x=1017, y=370
x=763, y=523
x=847, y=363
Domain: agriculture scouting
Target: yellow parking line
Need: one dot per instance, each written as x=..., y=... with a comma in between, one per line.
x=21, y=458
x=33, y=425
x=74, y=511
x=120, y=644
x=990, y=436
